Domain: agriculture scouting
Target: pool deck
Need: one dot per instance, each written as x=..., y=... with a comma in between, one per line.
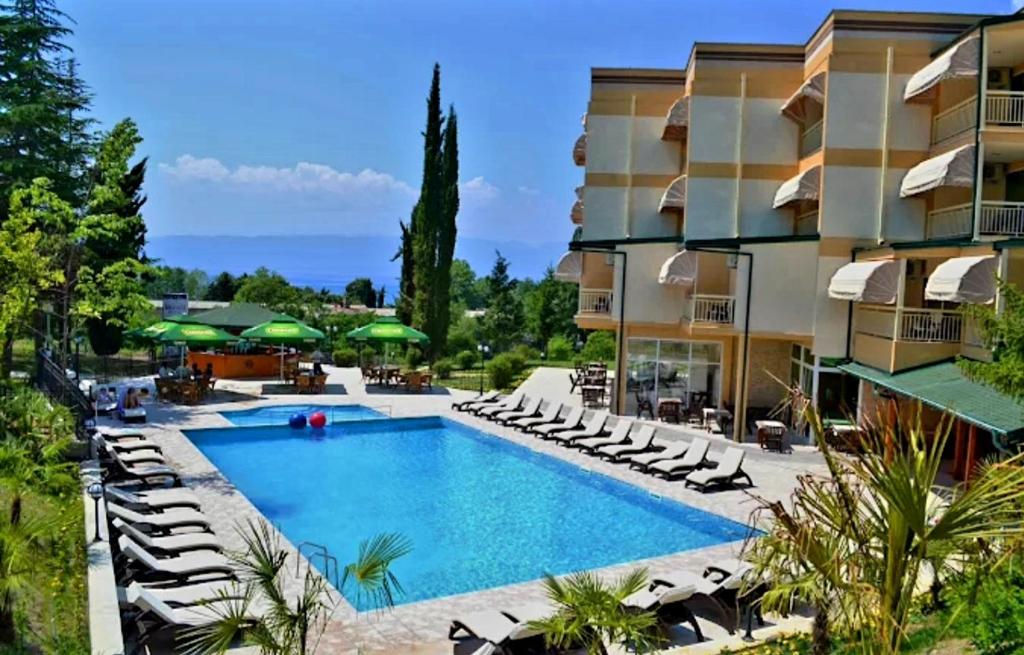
x=421, y=627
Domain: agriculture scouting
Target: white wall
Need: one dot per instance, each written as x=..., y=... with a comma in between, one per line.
x=604, y=209
x=607, y=144
x=712, y=133
x=783, y=293
x=757, y=216
x=830, y=316
x=710, y=207
x=768, y=136
x=646, y=300
x=646, y=220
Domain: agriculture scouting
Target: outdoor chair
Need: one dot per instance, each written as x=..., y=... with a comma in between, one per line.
x=500, y=628
x=693, y=459
x=638, y=443
x=728, y=472
x=171, y=543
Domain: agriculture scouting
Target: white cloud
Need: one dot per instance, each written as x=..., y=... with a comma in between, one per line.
x=301, y=177
x=479, y=189
x=530, y=191
x=1017, y=4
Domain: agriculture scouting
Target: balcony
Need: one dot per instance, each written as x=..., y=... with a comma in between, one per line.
x=1002, y=109
x=810, y=139
x=998, y=218
x=595, y=302
x=896, y=338
x=709, y=309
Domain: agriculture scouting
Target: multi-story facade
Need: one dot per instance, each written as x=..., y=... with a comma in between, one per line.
x=808, y=215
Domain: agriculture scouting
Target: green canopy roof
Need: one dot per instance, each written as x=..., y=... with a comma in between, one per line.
x=284, y=330
x=185, y=330
x=388, y=329
x=238, y=315
x=945, y=387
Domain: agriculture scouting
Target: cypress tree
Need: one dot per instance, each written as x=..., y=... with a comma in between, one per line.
x=446, y=232
x=427, y=214
x=406, y=286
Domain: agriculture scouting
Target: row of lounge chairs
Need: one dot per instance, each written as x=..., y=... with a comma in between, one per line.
x=674, y=598
x=170, y=567
x=628, y=442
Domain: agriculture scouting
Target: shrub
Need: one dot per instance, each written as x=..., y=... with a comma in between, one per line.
x=517, y=361
x=994, y=617
x=413, y=357
x=559, y=349
x=600, y=347
x=466, y=359
x=526, y=353
x=443, y=368
x=501, y=371
x=368, y=354
x=346, y=357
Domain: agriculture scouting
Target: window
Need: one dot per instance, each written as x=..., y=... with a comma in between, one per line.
x=658, y=369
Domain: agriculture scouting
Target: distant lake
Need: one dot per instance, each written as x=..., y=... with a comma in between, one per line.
x=333, y=261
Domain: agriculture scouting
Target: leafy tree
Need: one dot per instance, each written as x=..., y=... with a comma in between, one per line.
x=265, y=287
x=464, y=287
x=1004, y=334
x=590, y=614
x=503, y=320
x=550, y=308
x=42, y=130
x=360, y=292
x=223, y=287
x=600, y=346
x=174, y=279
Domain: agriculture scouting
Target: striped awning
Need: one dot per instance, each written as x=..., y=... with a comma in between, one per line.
x=677, y=121
x=579, y=151
x=961, y=60
x=812, y=89
x=569, y=267
x=953, y=168
x=963, y=279
x=871, y=281
x=679, y=269
x=674, y=198
x=803, y=186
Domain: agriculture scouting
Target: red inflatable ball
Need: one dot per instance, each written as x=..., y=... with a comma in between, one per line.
x=317, y=420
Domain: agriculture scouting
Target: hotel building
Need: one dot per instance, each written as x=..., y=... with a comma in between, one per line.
x=810, y=215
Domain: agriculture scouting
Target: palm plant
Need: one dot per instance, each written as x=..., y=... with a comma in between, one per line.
x=589, y=614
x=268, y=616
x=863, y=541
x=20, y=545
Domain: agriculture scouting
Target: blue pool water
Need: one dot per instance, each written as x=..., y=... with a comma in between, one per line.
x=278, y=414
x=481, y=511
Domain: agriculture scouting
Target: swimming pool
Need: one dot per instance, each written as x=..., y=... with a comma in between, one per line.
x=481, y=511
x=278, y=414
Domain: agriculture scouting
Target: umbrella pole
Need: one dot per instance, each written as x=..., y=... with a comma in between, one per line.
x=281, y=369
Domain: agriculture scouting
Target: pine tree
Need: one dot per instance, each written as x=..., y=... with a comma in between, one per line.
x=446, y=233
x=503, y=320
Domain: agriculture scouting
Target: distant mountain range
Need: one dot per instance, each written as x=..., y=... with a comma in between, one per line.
x=332, y=261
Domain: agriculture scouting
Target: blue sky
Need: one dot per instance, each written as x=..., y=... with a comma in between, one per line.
x=304, y=117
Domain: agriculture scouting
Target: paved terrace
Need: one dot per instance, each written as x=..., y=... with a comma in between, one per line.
x=421, y=627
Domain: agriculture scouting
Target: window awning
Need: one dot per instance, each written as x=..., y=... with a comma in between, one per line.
x=570, y=267
x=677, y=120
x=953, y=168
x=812, y=89
x=579, y=150
x=680, y=268
x=674, y=198
x=872, y=281
x=962, y=60
x=803, y=186
x=945, y=387
x=963, y=279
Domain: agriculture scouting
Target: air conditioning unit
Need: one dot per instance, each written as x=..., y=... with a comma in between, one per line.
x=999, y=79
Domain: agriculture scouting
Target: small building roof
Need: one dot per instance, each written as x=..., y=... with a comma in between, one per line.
x=237, y=315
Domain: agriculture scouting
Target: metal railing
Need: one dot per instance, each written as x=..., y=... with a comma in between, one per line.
x=53, y=380
x=806, y=223
x=1001, y=218
x=960, y=118
x=954, y=221
x=595, y=301
x=810, y=139
x=972, y=334
x=910, y=324
x=710, y=308
x=1004, y=108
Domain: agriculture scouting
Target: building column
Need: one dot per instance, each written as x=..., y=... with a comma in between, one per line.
x=959, y=451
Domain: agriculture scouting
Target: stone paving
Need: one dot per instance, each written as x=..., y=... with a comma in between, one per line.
x=421, y=627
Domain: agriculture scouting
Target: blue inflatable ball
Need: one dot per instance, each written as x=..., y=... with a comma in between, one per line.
x=297, y=421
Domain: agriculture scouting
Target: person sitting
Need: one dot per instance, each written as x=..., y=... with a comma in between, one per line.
x=131, y=399
x=196, y=371
x=164, y=372
x=318, y=362
x=182, y=372
x=208, y=373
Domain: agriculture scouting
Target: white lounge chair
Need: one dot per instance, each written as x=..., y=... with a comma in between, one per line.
x=151, y=499
x=185, y=565
x=722, y=583
x=483, y=399
x=200, y=593
x=619, y=435
x=173, y=543
x=570, y=422
x=728, y=472
x=509, y=404
x=550, y=415
x=126, y=445
x=117, y=434
x=139, y=457
x=149, y=474
x=671, y=450
x=499, y=628
x=593, y=428
x=173, y=518
x=692, y=460
x=156, y=616
x=638, y=443
x=532, y=408
x=669, y=603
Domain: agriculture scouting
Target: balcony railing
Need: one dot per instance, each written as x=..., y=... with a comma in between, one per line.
x=810, y=139
x=910, y=324
x=596, y=301
x=1002, y=218
x=949, y=222
x=960, y=118
x=1004, y=108
x=710, y=308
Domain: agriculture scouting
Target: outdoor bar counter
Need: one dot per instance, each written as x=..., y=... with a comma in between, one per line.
x=252, y=365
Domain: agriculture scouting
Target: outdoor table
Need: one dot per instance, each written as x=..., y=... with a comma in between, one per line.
x=670, y=409
x=842, y=435
x=770, y=434
x=711, y=415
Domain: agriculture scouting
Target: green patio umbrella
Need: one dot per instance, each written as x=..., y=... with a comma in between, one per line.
x=183, y=331
x=283, y=331
x=387, y=329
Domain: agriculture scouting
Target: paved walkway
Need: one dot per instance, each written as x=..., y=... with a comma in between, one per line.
x=421, y=627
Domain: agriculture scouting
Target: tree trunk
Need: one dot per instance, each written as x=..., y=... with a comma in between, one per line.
x=16, y=509
x=7, y=358
x=821, y=640
x=8, y=634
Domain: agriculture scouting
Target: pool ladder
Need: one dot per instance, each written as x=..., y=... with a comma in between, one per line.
x=320, y=550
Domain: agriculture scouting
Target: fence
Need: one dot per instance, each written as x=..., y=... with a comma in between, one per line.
x=52, y=380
